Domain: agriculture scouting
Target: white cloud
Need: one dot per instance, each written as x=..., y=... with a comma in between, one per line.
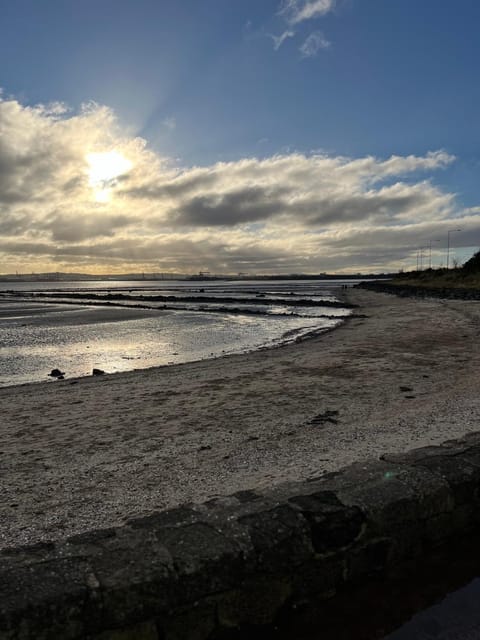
x=279, y=40
x=313, y=44
x=296, y=11
x=289, y=212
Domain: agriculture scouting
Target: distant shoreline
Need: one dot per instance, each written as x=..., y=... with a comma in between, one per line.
x=186, y=278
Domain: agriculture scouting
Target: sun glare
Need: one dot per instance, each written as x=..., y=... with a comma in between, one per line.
x=104, y=169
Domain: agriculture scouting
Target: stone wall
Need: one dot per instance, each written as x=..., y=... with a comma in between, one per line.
x=248, y=560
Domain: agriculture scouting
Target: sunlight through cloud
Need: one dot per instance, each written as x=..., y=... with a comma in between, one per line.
x=80, y=192
x=104, y=170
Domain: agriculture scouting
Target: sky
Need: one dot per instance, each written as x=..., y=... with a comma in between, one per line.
x=238, y=136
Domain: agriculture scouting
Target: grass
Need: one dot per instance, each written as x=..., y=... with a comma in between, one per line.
x=466, y=277
x=439, y=279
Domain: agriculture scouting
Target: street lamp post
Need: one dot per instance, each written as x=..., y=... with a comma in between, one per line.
x=421, y=257
x=430, y=254
x=448, y=243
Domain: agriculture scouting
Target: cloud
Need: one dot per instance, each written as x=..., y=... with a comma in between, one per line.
x=283, y=213
x=296, y=11
x=77, y=227
x=279, y=40
x=247, y=204
x=313, y=44
x=308, y=189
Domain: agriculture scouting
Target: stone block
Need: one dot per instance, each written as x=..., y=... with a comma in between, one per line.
x=280, y=537
x=458, y=471
x=368, y=560
x=256, y=603
x=319, y=578
x=333, y=525
x=445, y=526
x=390, y=494
x=142, y=631
x=205, y=561
x=195, y=623
x=133, y=572
x=407, y=542
x=44, y=601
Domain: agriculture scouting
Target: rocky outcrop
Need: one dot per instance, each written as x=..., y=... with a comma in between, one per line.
x=56, y=373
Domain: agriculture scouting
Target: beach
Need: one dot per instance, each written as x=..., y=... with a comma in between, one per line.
x=92, y=452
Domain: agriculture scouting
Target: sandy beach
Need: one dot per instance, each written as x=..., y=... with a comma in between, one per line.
x=92, y=452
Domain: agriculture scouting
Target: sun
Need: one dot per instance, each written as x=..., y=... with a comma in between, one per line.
x=104, y=169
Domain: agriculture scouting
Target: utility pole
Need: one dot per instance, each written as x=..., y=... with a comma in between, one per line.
x=430, y=255
x=448, y=244
x=420, y=257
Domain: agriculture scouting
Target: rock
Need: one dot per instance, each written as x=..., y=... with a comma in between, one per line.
x=322, y=418
x=56, y=373
x=97, y=372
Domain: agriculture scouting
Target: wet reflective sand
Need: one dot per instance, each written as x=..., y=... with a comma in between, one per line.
x=39, y=333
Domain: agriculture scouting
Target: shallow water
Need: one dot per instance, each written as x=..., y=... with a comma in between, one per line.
x=131, y=330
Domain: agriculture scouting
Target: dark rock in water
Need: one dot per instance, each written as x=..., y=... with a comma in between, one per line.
x=97, y=372
x=56, y=373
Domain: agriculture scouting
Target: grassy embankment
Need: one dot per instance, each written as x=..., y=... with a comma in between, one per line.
x=466, y=277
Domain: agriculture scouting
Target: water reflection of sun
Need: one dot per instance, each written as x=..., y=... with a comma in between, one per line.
x=103, y=171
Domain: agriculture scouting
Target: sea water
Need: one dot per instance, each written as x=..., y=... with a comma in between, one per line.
x=119, y=326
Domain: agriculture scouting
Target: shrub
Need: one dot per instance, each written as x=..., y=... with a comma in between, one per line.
x=472, y=265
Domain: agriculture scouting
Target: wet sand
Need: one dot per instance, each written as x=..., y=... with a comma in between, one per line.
x=89, y=453
x=52, y=315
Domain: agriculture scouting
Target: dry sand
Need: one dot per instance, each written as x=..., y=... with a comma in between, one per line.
x=90, y=453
